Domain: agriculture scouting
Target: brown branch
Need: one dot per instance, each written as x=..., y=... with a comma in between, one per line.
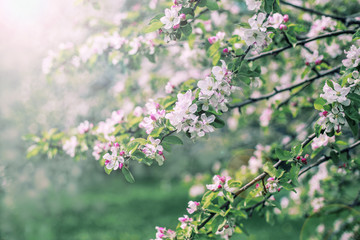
x=277, y=91
x=252, y=182
x=299, y=43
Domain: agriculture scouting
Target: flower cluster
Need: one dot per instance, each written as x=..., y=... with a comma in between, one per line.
x=337, y=97
x=352, y=57
x=321, y=141
x=85, y=127
x=155, y=116
x=192, y=206
x=154, y=150
x=320, y=25
x=272, y=185
x=219, y=183
x=163, y=233
x=172, y=20
x=115, y=160
x=185, y=221
x=70, y=146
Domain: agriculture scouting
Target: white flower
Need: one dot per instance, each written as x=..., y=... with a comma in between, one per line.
x=257, y=22
x=84, y=127
x=113, y=161
x=219, y=182
x=192, y=206
x=275, y=20
x=338, y=94
x=219, y=72
x=322, y=140
x=265, y=117
x=253, y=5
x=170, y=19
x=353, y=57
x=272, y=185
x=70, y=146
x=207, y=86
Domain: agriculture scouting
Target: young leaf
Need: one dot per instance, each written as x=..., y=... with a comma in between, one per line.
x=212, y=5
x=173, y=140
x=269, y=169
x=127, y=174
x=283, y=154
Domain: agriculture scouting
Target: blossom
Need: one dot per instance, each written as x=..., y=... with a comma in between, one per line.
x=220, y=72
x=171, y=18
x=114, y=161
x=352, y=57
x=313, y=57
x=84, y=127
x=338, y=94
x=276, y=19
x=257, y=22
x=272, y=185
x=219, y=182
x=322, y=140
x=163, y=233
x=207, y=86
x=70, y=146
x=265, y=117
x=185, y=221
x=192, y=206
x=225, y=232
x=253, y=5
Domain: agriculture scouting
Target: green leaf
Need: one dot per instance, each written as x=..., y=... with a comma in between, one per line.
x=153, y=26
x=32, y=151
x=330, y=83
x=283, y=154
x=296, y=150
x=212, y=5
x=294, y=173
x=202, y=3
x=234, y=183
x=207, y=198
x=317, y=130
x=356, y=35
x=216, y=58
x=108, y=171
x=352, y=112
x=214, y=48
x=218, y=123
x=186, y=29
x=270, y=169
x=354, y=126
x=142, y=141
x=156, y=132
x=138, y=154
x=217, y=222
x=173, y=140
x=334, y=157
x=354, y=97
x=127, y=174
x=268, y=6
x=319, y=104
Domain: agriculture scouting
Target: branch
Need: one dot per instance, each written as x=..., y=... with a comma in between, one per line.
x=356, y=201
x=276, y=91
x=299, y=43
x=326, y=158
x=252, y=182
x=342, y=19
x=346, y=20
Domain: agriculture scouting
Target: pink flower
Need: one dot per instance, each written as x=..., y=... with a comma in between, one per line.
x=192, y=206
x=219, y=183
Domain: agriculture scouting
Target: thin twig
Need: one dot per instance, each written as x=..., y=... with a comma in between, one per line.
x=277, y=91
x=299, y=43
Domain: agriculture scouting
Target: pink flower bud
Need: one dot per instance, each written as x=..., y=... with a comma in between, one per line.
x=121, y=153
x=225, y=50
x=282, y=27
x=286, y=18
x=226, y=226
x=160, y=31
x=117, y=145
x=182, y=17
x=279, y=189
x=161, y=153
x=177, y=26
x=306, y=156
x=152, y=117
x=107, y=162
x=298, y=157
x=197, y=203
x=121, y=165
x=212, y=40
x=270, y=179
x=257, y=185
x=318, y=62
x=307, y=63
x=219, y=186
x=303, y=160
x=176, y=2
x=323, y=114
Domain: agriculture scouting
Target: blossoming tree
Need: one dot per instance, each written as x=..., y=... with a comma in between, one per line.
x=289, y=68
